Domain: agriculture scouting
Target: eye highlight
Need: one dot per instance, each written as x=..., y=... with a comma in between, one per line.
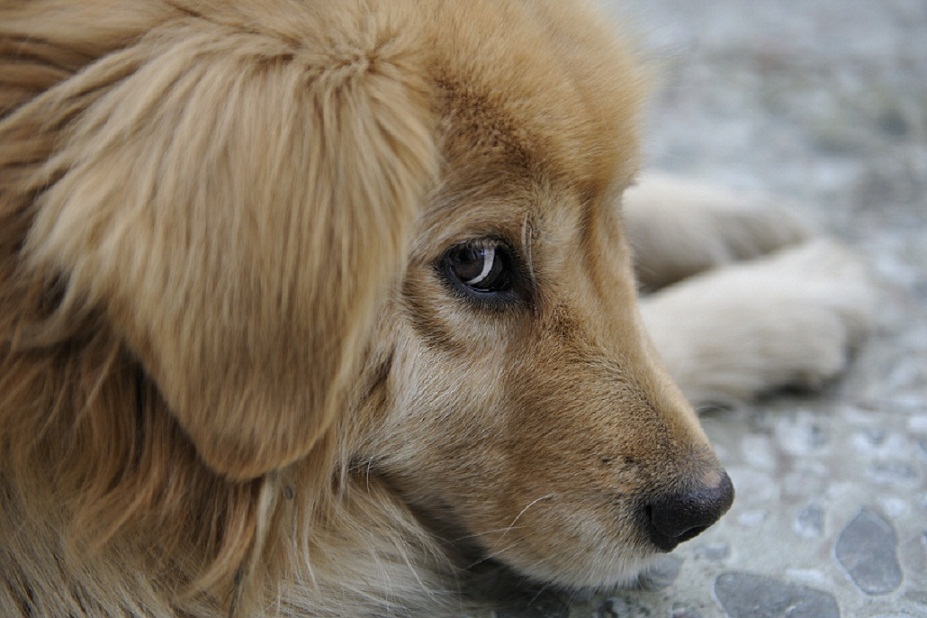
x=484, y=270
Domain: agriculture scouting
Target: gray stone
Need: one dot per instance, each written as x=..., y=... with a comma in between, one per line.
x=875, y=435
x=892, y=472
x=922, y=448
x=744, y=595
x=818, y=436
x=681, y=611
x=866, y=548
x=801, y=435
x=715, y=551
x=810, y=522
x=617, y=607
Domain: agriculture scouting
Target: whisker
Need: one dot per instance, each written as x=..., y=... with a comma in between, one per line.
x=492, y=555
x=511, y=526
x=537, y=595
x=523, y=511
x=526, y=237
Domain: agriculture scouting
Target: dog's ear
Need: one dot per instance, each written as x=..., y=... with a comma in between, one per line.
x=238, y=207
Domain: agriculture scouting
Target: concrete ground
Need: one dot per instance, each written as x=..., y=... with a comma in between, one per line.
x=823, y=102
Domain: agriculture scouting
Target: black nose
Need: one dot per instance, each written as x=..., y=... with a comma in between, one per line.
x=677, y=517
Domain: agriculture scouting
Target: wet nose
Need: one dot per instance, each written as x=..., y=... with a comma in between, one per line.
x=677, y=517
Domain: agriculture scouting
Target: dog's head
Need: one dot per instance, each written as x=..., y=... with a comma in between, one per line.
x=393, y=238
x=527, y=412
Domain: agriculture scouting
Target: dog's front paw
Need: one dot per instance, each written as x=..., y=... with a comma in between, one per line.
x=787, y=319
x=679, y=227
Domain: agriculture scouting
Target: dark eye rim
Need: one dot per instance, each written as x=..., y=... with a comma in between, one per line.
x=514, y=295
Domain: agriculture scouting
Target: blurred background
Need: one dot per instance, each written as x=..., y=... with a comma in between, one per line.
x=824, y=103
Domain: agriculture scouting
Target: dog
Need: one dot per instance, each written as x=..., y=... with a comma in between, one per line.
x=306, y=308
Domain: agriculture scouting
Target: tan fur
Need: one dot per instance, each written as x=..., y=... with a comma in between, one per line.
x=232, y=379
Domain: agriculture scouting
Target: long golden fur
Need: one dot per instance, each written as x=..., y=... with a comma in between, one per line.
x=240, y=372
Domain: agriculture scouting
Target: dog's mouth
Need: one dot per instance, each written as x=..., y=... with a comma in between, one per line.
x=486, y=569
x=589, y=552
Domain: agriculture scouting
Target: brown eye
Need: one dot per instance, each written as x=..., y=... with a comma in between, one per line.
x=483, y=267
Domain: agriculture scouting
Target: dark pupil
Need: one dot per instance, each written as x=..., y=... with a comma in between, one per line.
x=479, y=268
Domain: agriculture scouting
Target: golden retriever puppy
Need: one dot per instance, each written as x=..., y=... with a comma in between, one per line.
x=306, y=306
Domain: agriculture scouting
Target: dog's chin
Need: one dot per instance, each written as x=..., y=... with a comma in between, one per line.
x=604, y=569
x=498, y=581
x=577, y=572
x=591, y=563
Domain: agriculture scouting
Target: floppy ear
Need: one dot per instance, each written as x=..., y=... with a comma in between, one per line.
x=238, y=206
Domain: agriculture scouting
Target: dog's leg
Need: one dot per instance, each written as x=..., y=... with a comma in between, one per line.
x=678, y=228
x=784, y=319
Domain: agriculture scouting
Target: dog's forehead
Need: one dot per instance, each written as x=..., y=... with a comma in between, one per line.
x=538, y=91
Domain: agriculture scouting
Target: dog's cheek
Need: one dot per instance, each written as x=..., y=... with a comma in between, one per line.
x=436, y=439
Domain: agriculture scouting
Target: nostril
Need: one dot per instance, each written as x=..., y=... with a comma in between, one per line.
x=677, y=517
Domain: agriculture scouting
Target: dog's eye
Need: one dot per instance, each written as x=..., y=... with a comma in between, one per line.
x=484, y=271
x=481, y=267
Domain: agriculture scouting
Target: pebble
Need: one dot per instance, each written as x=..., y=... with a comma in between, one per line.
x=809, y=524
x=744, y=595
x=801, y=435
x=715, y=551
x=917, y=423
x=752, y=519
x=894, y=507
x=681, y=611
x=866, y=548
x=892, y=472
x=620, y=608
